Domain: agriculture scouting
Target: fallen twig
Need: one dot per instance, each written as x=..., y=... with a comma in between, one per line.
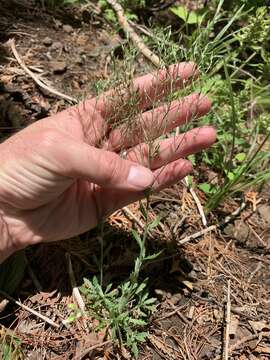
x=228, y=322
x=91, y=348
x=175, y=311
x=197, y=202
x=39, y=82
x=75, y=290
x=138, y=42
x=130, y=214
x=212, y=227
x=37, y=314
x=197, y=234
x=242, y=341
x=258, y=268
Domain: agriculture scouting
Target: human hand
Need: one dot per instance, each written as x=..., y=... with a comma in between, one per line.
x=56, y=183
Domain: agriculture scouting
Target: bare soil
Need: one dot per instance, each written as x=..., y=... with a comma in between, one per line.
x=72, y=50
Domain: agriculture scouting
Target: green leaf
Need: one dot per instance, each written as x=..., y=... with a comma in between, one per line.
x=140, y=288
x=141, y=337
x=154, y=223
x=240, y=157
x=190, y=180
x=138, y=322
x=12, y=272
x=150, y=301
x=206, y=188
x=135, y=350
x=142, y=210
x=72, y=306
x=153, y=256
x=189, y=17
x=137, y=237
x=230, y=175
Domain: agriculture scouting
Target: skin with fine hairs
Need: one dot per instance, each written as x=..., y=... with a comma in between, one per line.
x=55, y=180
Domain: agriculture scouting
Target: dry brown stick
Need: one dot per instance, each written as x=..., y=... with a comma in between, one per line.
x=228, y=322
x=242, y=341
x=138, y=42
x=91, y=348
x=39, y=82
x=75, y=290
x=175, y=311
x=196, y=235
x=197, y=201
x=34, y=312
x=127, y=212
x=212, y=227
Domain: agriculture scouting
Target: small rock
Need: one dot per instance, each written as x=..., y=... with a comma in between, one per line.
x=264, y=211
x=47, y=41
x=239, y=231
x=68, y=29
x=56, y=45
x=58, y=67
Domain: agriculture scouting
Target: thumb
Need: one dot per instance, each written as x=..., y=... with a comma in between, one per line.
x=104, y=168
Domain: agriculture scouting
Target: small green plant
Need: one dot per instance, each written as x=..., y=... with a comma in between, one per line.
x=74, y=315
x=10, y=345
x=124, y=311
x=189, y=17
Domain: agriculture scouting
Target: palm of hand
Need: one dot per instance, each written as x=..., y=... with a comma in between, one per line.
x=55, y=183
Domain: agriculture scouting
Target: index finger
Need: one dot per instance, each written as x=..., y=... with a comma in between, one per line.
x=147, y=89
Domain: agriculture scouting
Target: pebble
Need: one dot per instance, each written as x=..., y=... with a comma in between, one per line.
x=56, y=45
x=264, y=211
x=58, y=67
x=68, y=29
x=47, y=41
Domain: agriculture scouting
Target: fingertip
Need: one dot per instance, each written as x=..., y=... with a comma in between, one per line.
x=185, y=70
x=186, y=167
x=202, y=103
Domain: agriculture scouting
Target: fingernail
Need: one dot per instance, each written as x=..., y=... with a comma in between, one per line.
x=140, y=177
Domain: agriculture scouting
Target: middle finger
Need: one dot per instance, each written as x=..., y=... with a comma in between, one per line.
x=157, y=122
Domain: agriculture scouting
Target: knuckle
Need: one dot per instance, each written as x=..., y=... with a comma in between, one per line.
x=113, y=168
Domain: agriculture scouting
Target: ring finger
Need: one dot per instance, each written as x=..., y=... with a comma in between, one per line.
x=163, y=152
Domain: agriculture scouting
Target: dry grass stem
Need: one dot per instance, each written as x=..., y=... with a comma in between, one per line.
x=197, y=201
x=37, y=80
x=228, y=322
x=33, y=312
x=91, y=348
x=75, y=290
x=128, y=213
x=212, y=227
x=132, y=34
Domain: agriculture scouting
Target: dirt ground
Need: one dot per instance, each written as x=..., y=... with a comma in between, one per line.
x=72, y=50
